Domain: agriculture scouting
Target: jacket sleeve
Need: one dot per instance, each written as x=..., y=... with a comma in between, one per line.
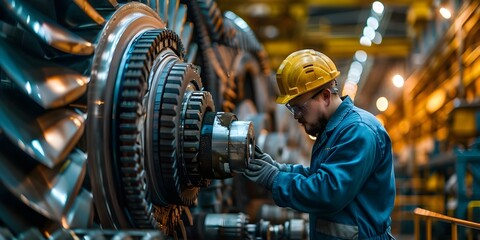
x=349, y=162
x=299, y=168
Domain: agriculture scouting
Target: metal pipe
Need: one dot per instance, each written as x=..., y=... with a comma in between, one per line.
x=433, y=215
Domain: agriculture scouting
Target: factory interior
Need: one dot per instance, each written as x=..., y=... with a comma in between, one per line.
x=135, y=119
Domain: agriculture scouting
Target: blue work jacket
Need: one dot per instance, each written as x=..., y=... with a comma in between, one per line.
x=349, y=188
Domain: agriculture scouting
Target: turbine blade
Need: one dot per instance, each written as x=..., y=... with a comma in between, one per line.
x=187, y=34
x=163, y=10
x=47, y=30
x=81, y=213
x=50, y=192
x=192, y=52
x=48, y=138
x=48, y=84
x=114, y=3
x=180, y=19
x=172, y=14
x=90, y=11
x=151, y=3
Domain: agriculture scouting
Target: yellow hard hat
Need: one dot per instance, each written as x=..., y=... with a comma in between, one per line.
x=303, y=71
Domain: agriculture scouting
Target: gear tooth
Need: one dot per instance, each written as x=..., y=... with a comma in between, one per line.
x=129, y=105
x=131, y=159
x=192, y=123
x=169, y=109
x=128, y=116
x=192, y=135
x=125, y=149
x=128, y=138
x=129, y=127
x=132, y=82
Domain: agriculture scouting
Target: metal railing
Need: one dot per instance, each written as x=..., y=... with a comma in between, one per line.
x=419, y=212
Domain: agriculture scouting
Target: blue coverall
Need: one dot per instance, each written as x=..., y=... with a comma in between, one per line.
x=349, y=188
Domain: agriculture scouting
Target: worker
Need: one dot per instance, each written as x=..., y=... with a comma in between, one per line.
x=349, y=187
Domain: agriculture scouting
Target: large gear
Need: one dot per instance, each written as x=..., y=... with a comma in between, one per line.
x=181, y=79
x=199, y=103
x=108, y=110
x=213, y=18
x=129, y=112
x=207, y=56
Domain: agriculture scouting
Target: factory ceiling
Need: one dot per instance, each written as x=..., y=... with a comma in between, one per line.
x=335, y=28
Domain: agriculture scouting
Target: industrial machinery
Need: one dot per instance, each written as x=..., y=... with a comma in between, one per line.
x=108, y=117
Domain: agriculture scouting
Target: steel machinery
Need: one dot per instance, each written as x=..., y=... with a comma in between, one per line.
x=118, y=117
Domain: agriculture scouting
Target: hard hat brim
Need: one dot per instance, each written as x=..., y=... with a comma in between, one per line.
x=283, y=99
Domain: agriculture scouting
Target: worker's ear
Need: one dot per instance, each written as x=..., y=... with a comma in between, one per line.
x=325, y=95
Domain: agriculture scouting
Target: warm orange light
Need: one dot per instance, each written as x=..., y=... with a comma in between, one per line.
x=445, y=13
x=436, y=100
x=404, y=126
x=382, y=104
x=398, y=81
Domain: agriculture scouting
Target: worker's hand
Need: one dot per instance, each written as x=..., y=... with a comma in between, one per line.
x=259, y=154
x=261, y=172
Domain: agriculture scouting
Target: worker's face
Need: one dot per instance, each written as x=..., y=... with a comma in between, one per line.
x=311, y=110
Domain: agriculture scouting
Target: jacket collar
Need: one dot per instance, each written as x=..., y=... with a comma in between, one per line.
x=339, y=114
x=334, y=121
